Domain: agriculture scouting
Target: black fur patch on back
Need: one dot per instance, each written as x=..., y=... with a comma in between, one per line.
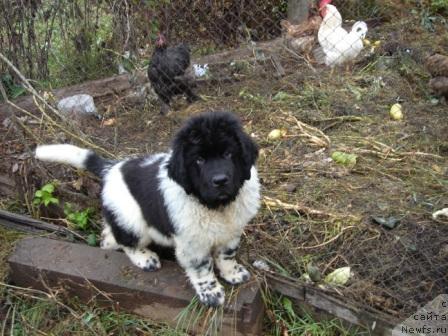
x=143, y=184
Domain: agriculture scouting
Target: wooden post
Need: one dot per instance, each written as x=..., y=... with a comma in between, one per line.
x=298, y=10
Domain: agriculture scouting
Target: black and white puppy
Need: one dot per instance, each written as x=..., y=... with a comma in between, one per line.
x=196, y=198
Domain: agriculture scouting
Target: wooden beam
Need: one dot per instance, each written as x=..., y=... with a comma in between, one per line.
x=27, y=224
x=323, y=305
x=109, y=278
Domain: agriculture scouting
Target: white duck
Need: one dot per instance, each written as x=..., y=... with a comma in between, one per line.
x=338, y=46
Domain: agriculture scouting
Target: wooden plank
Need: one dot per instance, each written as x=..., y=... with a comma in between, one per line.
x=244, y=52
x=321, y=303
x=30, y=225
x=110, y=278
x=97, y=89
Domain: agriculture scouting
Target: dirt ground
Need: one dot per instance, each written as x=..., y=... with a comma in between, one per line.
x=316, y=210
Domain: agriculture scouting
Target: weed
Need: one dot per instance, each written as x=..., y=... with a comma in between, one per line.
x=42, y=316
x=12, y=90
x=257, y=98
x=45, y=195
x=287, y=321
x=196, y=317
x=81, y=218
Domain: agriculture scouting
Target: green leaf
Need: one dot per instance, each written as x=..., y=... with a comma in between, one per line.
x=91, y=239
x=46, y=201
x=281, y=96
x=37, y=201
x=38, y=193
x=54, y=200
x=49, y=188
x=344, y=158
x=287, y=304
x=17, y=91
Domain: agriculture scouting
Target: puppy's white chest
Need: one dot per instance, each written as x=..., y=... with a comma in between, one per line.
x=216, y=229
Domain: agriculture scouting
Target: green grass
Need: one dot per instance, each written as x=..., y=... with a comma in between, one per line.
x=31, y=312
x=285, y=320
x=34, y=314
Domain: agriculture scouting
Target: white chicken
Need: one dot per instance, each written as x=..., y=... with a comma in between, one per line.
x=337, y=45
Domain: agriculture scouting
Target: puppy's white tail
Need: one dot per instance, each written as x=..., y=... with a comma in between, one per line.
x=73, y=156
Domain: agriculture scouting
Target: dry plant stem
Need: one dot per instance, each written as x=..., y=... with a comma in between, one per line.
x=340, y=118
x=275, y=203
x=387, y=151
x=71, y=134
x=49, y=295
x=326, y=242
x=29, y=87
x=307, y=130
x=38, y=98
x=16, y=121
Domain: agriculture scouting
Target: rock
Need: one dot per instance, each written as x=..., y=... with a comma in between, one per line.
x=290, y=187
x=443, y=253
x=437, y=65
x=261, y=265
x=440, y=86
x=82, y=104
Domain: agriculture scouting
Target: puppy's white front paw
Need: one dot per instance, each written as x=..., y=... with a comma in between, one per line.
x=210, y=293
x=234, y=273
x=144, y=258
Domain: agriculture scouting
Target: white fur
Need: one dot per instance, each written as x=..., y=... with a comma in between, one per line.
x=108, y=241
x=153, y=158
x=67, y=154
x=211, y=227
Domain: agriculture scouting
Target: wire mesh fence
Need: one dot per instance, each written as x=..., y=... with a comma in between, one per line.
x=247, y=51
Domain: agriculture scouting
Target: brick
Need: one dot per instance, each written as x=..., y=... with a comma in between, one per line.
x=83, y=271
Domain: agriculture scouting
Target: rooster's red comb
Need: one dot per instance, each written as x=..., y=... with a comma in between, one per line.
x=323, y=3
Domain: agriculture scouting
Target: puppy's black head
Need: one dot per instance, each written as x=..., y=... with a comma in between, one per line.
x=212, y=157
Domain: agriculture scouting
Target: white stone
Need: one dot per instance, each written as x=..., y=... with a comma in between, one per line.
x=81, y=103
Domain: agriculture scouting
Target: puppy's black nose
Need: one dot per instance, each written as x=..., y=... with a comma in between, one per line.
x=220, y=180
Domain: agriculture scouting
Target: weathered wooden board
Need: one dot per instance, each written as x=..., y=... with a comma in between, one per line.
x=28, y=224
x=323, y=305
x=110, y=278
x=97, y=89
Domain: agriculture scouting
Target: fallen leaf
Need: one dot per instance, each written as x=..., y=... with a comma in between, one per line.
x=109, y=122
x=339, y=276
x=390, y=222
x=344, y=158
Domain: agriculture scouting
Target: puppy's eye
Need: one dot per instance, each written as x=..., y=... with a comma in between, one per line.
x=227, y=155
x=200, y=161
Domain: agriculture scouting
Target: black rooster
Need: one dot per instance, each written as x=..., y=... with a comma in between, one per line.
x=166, y=73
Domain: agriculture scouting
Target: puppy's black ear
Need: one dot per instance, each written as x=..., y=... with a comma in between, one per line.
x=249, y=152
x=176, y=166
